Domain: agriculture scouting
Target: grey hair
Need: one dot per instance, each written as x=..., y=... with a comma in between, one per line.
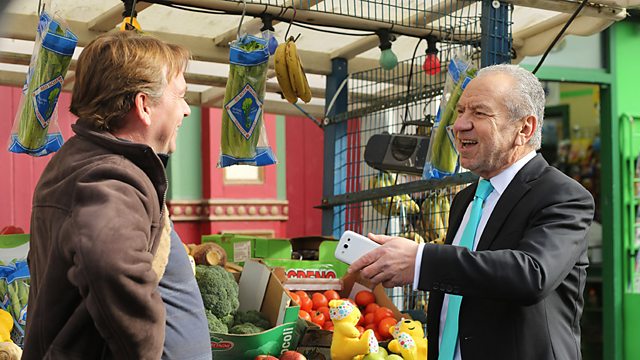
x=525, y=98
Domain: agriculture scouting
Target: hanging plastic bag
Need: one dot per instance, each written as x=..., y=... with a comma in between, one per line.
x=243, y=136
x=35, y=128
x=442, y=156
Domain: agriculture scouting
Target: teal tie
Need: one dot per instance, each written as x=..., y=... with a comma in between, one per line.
x=450, y=332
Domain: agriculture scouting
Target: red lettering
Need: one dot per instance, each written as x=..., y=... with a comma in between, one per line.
x=223, y=345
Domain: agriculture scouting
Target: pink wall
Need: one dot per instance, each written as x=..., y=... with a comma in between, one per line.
x=305, y=149
x=20, y=172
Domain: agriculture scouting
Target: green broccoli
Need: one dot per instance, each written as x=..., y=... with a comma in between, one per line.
x=252, y=316
x=215, y=324
x=246, y=328
x=219, y=290
x=228, y=320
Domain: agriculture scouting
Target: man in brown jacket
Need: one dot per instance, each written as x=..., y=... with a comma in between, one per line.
x=99, y=227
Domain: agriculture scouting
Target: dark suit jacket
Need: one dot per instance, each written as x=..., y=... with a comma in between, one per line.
x=523, y=286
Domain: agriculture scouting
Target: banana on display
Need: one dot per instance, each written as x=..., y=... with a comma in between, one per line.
x=290, y=73
x=398, y=203
x=412, y=235
x=435, y=216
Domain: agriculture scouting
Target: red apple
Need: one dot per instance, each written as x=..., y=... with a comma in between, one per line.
x=265, y=357
x=292, y=355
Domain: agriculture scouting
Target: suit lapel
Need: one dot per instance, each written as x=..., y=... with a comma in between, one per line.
x=458, y=209
x=513, y=193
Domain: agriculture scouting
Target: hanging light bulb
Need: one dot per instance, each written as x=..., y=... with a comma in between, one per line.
x=388, y=60
x=431, y=62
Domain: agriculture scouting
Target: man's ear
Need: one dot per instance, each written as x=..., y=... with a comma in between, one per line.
x=141, y=108
x=526, y=130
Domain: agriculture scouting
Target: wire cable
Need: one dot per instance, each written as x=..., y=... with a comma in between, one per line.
x=564, y=28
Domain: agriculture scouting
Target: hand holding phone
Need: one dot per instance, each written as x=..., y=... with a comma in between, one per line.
x=352, y=246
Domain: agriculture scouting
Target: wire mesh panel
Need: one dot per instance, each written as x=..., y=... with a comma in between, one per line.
x=445, y=17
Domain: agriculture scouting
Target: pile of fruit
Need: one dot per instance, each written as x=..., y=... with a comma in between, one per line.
x=314, y=308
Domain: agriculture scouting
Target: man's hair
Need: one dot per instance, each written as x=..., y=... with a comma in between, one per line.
x=114, y=68
x=525, y=98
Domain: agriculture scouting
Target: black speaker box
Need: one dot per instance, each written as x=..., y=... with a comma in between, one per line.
x=397, y=153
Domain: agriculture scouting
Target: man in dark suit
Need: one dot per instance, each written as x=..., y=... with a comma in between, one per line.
x=514, y=289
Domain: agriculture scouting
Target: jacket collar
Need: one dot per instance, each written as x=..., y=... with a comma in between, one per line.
x=141, y=155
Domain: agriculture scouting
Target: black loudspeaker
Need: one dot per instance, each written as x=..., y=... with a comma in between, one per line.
x=397, y=153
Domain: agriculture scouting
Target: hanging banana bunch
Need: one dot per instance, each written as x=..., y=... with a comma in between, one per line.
x=396, y=202
x=290, y=73
x=435, y=216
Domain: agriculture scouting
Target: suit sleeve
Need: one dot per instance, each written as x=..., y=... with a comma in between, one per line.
x=111, y=260
x=550, y=244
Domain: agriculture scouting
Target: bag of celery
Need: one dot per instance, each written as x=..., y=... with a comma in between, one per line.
x=35, y=129
x=243, y=136
x=442, y=156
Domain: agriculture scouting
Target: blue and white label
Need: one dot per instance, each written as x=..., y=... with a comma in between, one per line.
x=45, y=99
x=244, y=110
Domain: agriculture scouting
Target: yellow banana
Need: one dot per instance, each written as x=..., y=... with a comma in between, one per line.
x=306, y=90
x=297, y=76
x=282, y=74
x=412, y=235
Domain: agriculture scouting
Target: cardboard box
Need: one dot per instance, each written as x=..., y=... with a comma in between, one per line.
x=318, y=341
x=279, y=252
x=262, y=290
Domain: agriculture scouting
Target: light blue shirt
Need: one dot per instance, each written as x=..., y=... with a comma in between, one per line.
x=499, y=183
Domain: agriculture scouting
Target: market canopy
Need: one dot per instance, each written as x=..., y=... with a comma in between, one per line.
x=535, y=23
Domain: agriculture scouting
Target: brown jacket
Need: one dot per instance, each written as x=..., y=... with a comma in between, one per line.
x=96, y=224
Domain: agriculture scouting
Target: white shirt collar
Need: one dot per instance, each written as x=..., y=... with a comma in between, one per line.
x=502, y=180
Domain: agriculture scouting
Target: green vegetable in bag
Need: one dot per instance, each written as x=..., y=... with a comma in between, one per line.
x=242, y=133
x=50, y=61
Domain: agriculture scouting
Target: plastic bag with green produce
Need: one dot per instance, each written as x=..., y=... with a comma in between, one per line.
x=14, y=293
x=243, y=138
x=35, y=129
x=442, y=156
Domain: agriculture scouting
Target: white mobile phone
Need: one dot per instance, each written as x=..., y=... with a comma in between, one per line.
x=353, y=245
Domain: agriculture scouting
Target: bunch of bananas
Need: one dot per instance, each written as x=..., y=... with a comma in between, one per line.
x=412, y=235
x=290, y=73
x=397, y=203
x=435, y=216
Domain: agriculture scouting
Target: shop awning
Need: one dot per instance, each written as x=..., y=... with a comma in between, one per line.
x=535, y=24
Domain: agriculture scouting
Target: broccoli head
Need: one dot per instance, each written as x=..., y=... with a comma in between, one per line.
x=252, y=316
x=215, y=324
x=246, y=328
x=219, y=290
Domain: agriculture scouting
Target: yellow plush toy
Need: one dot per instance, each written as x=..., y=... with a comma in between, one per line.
x=8, y=350
x=347, y=341
x=408, y=340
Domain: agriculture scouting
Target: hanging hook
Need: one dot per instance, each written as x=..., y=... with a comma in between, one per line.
x=286, y=35
x=244, y=10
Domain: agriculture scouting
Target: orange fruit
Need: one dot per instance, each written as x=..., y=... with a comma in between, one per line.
x=305, y=315
x=371, y=308
x=325, y=311
x=331, y=295
x=364, y=298
x=369, y=319
x=306, y=304
x=384, y=326
x=319, y=300
x=381, y=313
x=295, y=298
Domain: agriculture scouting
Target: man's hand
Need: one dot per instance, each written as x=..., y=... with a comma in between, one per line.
x=392, y=264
